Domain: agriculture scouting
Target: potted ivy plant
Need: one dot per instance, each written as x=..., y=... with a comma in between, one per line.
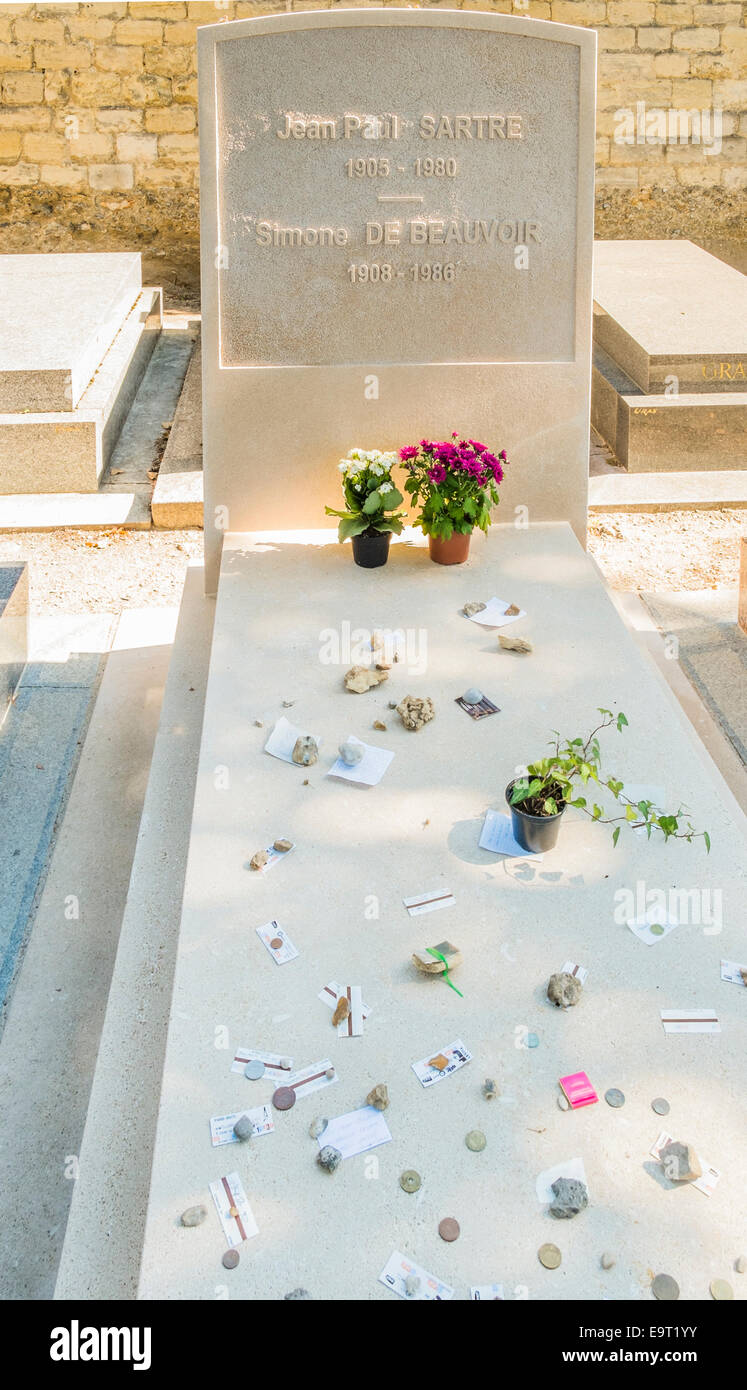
x=537, y=801
x=456, y=482
x=371, y=501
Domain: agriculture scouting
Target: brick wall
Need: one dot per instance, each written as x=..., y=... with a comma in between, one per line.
x=98, y=115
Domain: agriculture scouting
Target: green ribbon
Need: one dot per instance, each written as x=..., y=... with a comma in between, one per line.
x=433, y=952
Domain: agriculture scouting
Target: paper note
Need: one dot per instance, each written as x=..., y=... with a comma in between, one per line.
x=283, y=738
x=456, y=1056
x=652, y=925
x=352, y=1026
x=232, y=1205
x=486, y=1292
x=580, y=972
x=398, y=1268
x=311, y=1079
x=221, y=1126
x=274, y=856
x=429, y=901
x=690, y=1021
x=570, y=1168
x=494, y=614
x=271, y=1060
x=369, y=770
x=732, y=972
x=285, y=950
x=356, y=1132
x=710, y=1175
x=498, y=837
x=578, y=1089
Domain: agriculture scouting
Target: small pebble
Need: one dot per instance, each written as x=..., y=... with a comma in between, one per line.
x=470, y=608
x=318, y=1126
x=532, y=1040
x=282, y=846
x=230, y=1259
x=473, y=696
x=286, y=1063
x=258, y=860
x=740, y=1264
x=288, y=703
x=330, y=1073
x=489, y=1089
x=243, y=1129
x=476, y=1141
x=378, y=1097
x=258, y=724
x=412, y=1284
x=563, y=1103
x=329, y=1159
x=193, y=1216
x=297, y=1293
x=607, y=1260
x=351, y=753
x=379, y=724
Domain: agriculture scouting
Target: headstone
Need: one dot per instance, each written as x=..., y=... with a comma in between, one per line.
x=384, y=258
x=669, y=388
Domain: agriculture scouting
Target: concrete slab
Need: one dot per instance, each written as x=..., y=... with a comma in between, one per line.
x=178, y=493
x=666, y=433
x=664, y=308
x=51, y=511
x=619, y=491
x=102, y=1259
x=14, y=645
x=61, y=313
x=49, y=1047
x=68, y=451
x=515, y=924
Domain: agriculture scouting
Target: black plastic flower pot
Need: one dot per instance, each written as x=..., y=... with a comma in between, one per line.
x=534, y=833
x=371, y=549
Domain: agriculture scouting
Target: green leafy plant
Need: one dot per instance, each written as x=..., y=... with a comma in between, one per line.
x=371, y=498
x=455, y=481
x=551, y=784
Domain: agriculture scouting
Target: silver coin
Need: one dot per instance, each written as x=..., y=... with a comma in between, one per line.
x=254, y=1069
x=660, y=1106
x=665, y=1288
x=614, y=1098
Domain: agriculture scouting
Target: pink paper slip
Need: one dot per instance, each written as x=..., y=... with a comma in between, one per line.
x=578, y=1090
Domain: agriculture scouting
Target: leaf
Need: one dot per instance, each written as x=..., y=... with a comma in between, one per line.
x=519, y=792
x=393, y=499
x=372, y=503
x=707, y=839
x=352, y=526
x=551, y=806
x=615, y=835
x=580, y=802
x=621, y=721
x=630, y=813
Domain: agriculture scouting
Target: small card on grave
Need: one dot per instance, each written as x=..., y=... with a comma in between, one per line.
x=313, y=1078
x=278, y=942
x=356, y=1132
x=438, y=1065
x=690, y=1021
x=486, y=1292
x=272, y=1061
x=579, y=972
x=234, y=1213
x=734, y=973
x=498, y=837
x=398, y=1269
x=221, y=1126
x=496, y=613
x=429, y=901
x=352, y=1026
x=283, y=740
x=371, y=768
x=481, y=710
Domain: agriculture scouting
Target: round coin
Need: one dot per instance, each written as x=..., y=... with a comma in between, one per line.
x=230, y=1259
x=276, y=943
x=665, y=1288
x=660, y=1106
x=254, y=1069
x=614, y=1098
x=549, y=1256
x=284, y=1098
x=410, y=1181
x=476, y=1141
x=720, y=1290
x=448, y=1229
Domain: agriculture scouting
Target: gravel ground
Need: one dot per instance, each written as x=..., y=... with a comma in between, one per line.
x=108, y=571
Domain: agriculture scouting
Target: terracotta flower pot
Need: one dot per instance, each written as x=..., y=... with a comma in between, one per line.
x=451, y=552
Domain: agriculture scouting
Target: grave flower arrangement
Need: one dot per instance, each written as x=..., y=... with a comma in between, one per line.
x=371, y=501
x=456, y=483
x=538, y=799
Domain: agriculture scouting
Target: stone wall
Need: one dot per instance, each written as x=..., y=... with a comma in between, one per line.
x=98, y=116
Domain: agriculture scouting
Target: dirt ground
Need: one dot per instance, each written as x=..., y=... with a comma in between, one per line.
x=108, y=571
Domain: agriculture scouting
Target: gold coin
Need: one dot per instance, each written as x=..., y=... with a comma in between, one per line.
x=549, y=1256
x=720, y=1290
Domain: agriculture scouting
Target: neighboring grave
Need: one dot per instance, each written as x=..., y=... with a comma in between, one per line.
x=396, y=241
x=670, y=356
x=77, y=334
x=14, y=617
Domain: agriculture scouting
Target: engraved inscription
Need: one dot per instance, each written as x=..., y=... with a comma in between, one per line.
x=499, y=126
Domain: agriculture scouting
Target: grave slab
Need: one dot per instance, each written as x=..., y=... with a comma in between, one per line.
x=284, y=619
x=668, y=308
x=60, y=314
x=14, y=610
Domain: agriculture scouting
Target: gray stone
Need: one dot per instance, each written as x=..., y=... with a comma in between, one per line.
x=378, y=1097
x=472, y=608
x=243, y=1129
x=297, y=1294
x=318, y=1126
x=740, y=1264
x=351, y=753
x=489, y=1089
x=473, y=696
x=608, y=1261
x=305, y=751
x=412, y=1284
x=564, y=990
x=329, y=1158
x=680, y=1162
x=193, y=1216
x=512, y=325
x=570, y=1198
